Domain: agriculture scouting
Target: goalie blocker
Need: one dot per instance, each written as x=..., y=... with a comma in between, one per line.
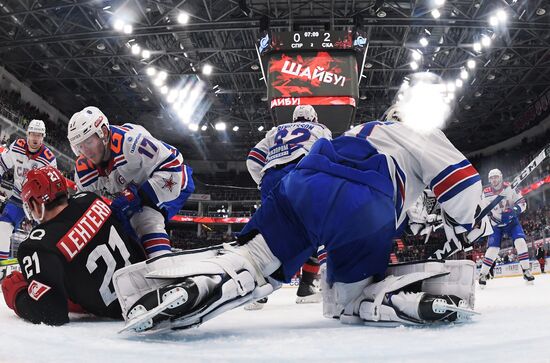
x=184, y=295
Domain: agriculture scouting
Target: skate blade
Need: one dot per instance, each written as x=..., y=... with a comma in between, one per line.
x=144, y=318
x=530, y=283
x=311, y=299
x=254, y=306
x=458, y=309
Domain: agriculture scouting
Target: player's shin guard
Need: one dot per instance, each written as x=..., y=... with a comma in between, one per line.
x=207, y=288
x=523, y=254
x=6, y=230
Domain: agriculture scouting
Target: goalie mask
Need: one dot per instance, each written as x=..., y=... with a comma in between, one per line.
x=495, y=179
x=43, y=186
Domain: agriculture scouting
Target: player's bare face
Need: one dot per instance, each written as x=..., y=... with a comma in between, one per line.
x=34, y=140
x=92, y=148
x=495, y=181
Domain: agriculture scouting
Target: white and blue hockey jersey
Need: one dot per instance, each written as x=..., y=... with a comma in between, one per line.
x=138, y=158
x=417, y=160
x=21, y=160
x=511, y=199
x=283, y=144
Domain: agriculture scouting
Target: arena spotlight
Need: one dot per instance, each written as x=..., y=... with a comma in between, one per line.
x=423, y=42
x=235, y=128
x=414, y=65
x=164, y=90
x=477, y=47
x=261, y=128
x=485, y=41
x=183, y=18
x=193, y=127
x=464, y=74
x=118, y=25
x=501, y=16
x=151, y=71
x=204, y=127
x=135, y=49
x=436, y=13
x=172, y=95
x=439, y=2
x=220, y=126
x=417, y=55
x=128, y=29
x=162, y=75
x=459, y=82
x=146, y=54
x=207, y=69
x=471, y=63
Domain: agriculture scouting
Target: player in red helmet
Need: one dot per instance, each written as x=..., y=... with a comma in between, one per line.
x=70, y=256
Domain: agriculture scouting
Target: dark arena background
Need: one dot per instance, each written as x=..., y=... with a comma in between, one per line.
x=211, y=77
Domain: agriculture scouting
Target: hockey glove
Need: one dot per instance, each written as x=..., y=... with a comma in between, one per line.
x=127, y=203
x=12, y=285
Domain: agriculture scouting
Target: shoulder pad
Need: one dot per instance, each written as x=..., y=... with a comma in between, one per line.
x=19, y=145
x=47, y=154
x=84, y=166
x=505, y=184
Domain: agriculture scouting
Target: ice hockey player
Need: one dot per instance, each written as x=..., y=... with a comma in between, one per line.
x=275, y=156
x=21, y=156
x=146, y=176
x=349, y=194
x=504, y=218
x=70, y=256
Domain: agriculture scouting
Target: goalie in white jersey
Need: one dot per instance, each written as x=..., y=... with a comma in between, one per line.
x=276, y=155
x=147, y=176
x=504, y=218
x=350, y=195
x=21, y=156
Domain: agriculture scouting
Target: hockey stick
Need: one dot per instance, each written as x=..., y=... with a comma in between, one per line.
x=449, y=248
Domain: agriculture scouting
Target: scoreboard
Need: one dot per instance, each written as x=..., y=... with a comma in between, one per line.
x=312, y=40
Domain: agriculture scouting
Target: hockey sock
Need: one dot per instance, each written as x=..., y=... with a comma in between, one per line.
x=6, y=230
x=490, y=255
x=523, y=255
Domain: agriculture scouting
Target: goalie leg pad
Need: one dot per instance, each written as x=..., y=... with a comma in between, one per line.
x=131, y=284
x=214, y=285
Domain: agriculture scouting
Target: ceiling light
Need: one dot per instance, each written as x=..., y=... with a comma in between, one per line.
x=145, y=98
x=255, y=67
x=172, y=95
x=467, y=107
x=485, y=41
x=459, y=83
x=477, y=94
x=164, y=90
x=133, y=85
x=261, y=128
x=451, y=87
x=118, y=25
x=368, y=65
x=417, y=55
x=493, y=21
x=146, y=54
x=491, y=77
x=135, y=49
x=436, y=13
x=235, y=128
x=100, y=46
x=540, y=11
x=381, y=14
x=423, y=42
x=464, y=74
x=506, y=57
x=162, y=75
x=158, y=82
x=193, y=127
x=207, y=69
x=128, y=29
x=471, y=63
x=477, y=46
x=501, y=15
x=183, y=18
x=204, y=127
x=414, y=65
x=115, y=67
x=439, y=2
x=220, y=126
x=151, y=71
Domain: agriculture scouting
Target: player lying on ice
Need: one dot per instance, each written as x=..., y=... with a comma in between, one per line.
x=69, y=258
x=350, y=195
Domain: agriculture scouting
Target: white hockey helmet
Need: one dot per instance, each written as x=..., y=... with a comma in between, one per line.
x=304, y=113
x=495, y=173
x=84, y=124
x=393, y=113
x=37, y=126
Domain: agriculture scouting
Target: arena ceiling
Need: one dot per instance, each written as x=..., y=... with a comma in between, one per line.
x=71, y=54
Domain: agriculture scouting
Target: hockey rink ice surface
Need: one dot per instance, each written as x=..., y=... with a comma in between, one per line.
x=514, y=326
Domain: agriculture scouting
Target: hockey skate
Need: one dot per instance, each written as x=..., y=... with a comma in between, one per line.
x=308, y=292
x=419, y=308
x=256, y=305
x=482, y=281
x=528, y=277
